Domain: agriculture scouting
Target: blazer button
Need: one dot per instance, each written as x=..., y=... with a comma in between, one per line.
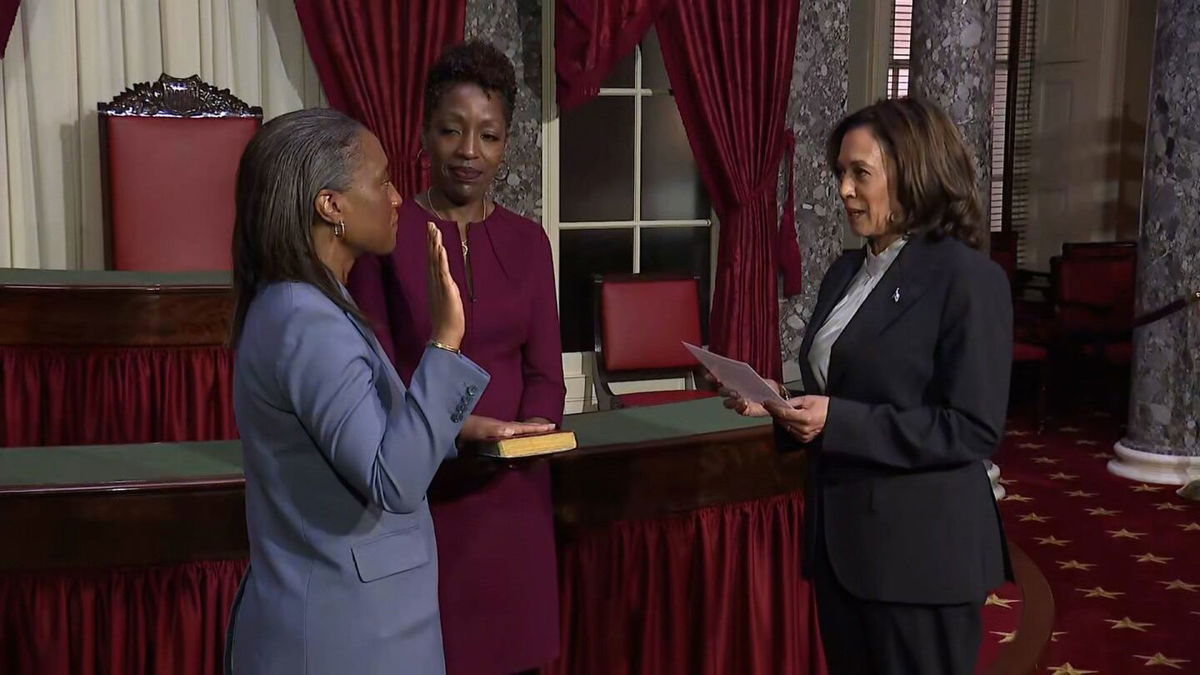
x=456, y=417
x=471, y=390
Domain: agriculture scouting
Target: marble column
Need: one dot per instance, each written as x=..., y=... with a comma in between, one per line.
x=953, y=65
x=515, y=26
x=817, y=101
x=1162, y=443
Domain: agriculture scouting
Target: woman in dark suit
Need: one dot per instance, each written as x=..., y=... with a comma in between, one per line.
x=906, y=370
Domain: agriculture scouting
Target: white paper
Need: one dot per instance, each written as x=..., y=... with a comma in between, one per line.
x=736, y=375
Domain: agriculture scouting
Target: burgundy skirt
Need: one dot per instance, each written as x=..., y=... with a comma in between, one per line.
x=498, y=583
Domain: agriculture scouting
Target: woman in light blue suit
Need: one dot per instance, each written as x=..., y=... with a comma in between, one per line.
x=338, y=452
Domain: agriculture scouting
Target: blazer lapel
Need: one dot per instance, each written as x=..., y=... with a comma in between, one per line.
x=821, y=312
x=901, y=286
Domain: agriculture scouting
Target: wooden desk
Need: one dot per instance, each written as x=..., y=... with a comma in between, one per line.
x=84, y=308
x=102, y=506
x=110, y=357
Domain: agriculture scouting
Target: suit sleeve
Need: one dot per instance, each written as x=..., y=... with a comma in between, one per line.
x=541, y=355
x=388, y=450
x=973, y=360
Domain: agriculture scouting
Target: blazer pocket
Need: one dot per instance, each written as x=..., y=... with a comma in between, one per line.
x=390, y=554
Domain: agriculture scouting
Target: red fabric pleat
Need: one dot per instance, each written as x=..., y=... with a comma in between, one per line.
x=133, y=621
x=590, y=38
x=100, y=395
x=712, y=591
x=730, y=66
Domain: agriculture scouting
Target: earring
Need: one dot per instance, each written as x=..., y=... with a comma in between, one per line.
x=502, y=173
x=339, y=230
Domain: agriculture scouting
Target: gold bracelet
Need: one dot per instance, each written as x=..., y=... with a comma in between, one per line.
x=439, y=345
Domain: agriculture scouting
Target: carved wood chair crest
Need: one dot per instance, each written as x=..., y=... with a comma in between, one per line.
x=178, y=97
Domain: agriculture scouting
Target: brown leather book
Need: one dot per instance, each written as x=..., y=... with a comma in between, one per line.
x=528, y=446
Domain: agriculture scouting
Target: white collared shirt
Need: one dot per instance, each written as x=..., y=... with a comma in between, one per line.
x=868, y=276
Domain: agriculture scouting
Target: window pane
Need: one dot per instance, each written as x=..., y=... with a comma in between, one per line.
x=622, y=74
x=671, y=187
x=582, y=254
x=654, y=72
x=679, y=250
x=596, y=160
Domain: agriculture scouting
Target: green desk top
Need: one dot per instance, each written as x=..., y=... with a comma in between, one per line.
x=31, y=277
x=113, y=465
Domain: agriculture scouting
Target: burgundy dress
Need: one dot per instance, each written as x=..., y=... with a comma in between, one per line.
x=498, y=584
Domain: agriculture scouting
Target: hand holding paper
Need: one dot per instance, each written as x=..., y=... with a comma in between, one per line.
x=739, y=379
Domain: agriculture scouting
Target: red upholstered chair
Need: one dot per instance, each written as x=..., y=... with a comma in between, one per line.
x=1027, y=349
x=169, y=152
x=1099, y=249
x=641, y=322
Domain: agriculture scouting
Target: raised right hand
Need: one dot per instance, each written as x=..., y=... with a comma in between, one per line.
x=445, y=302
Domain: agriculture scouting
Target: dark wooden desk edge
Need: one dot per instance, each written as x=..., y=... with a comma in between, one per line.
x=121, y=288
x=194, y=484
x=1037, y=619
x=681, y=443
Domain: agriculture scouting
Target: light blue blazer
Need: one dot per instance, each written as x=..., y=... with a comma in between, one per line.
x=338, y=455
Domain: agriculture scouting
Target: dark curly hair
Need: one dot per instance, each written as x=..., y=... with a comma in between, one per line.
x=929, y=164
x=472, y=62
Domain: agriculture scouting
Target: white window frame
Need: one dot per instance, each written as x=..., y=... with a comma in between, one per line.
x=577, y=366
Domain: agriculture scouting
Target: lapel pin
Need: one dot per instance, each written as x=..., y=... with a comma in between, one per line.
x=896, y=295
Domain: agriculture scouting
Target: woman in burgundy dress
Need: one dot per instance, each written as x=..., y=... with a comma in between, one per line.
x=498, y=584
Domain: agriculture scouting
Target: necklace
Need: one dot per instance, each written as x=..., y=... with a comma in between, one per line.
x=483, y=213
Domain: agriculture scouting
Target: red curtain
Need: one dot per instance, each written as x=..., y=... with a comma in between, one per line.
x=168, y=619
x=730, y=65
x=590, y=38
x=8, y=16
x=99, y=395
x=712, y=591
x=372, y=57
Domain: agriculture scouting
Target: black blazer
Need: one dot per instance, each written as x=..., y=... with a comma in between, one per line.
x=918, y=391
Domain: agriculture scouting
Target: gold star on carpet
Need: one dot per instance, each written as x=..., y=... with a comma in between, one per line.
x=1125, y=534
x=1084, y=441
x=1150, y=557
x=1102, y=512
x=1160, y=660
x=1074, y=565
x=1168, y=506
x=1034, y=518
x=1055, y=634
x=1080, y=493
x=1098, y=592
x=1016, y=432
x=1005, y=637
x=1100, y=455
x=1045, y=460
x=1190, y=527
x=1068, y=669
x=1052, y=541
x=1146, y=488
x=997, y=601
x=1062, y=476
x=1129, y=623
x=1178, y=585
x=1070, y=430
x=1018, y=498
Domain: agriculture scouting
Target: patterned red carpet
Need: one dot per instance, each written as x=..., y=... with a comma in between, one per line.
x=1122, y=558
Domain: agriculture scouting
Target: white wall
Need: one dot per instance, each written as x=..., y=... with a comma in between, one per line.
x=1090, y=84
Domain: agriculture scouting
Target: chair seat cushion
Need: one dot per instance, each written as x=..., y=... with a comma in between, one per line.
x=648, y=398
